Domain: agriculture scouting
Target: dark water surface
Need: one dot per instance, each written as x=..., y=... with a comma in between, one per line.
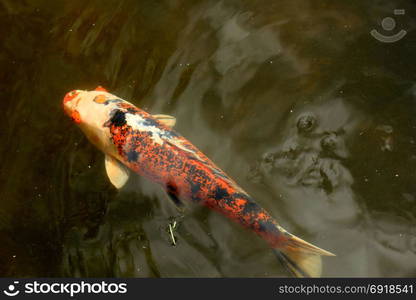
x=294, y=99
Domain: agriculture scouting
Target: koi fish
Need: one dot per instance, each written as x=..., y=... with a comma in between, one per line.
x=135, y=140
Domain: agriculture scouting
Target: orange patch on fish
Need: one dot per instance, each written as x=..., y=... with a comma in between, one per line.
x=75, y=116
x=100, y=99
x=69, y=96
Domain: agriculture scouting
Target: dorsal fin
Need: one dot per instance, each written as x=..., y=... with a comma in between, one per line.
x=100, y=88
x=167, y=120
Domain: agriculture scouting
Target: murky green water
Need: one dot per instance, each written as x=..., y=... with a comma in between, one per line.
x=294, y=99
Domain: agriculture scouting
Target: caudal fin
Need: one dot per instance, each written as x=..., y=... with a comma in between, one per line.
x=301, y=258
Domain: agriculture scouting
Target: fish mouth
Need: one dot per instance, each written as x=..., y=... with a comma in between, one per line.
x=70, y=106
x=68, y=103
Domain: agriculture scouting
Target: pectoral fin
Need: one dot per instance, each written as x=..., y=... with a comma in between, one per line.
x=116, y=172
x=166, y=120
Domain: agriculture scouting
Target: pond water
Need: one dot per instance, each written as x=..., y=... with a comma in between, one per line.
x=295, y=100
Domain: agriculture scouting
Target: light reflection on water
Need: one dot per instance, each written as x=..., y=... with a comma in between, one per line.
x=238, y=76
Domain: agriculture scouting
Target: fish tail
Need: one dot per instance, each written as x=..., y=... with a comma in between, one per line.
x=301, y=258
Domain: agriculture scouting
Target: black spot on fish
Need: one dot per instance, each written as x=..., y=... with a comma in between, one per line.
x=132, y=110
x=112, y=101
x=195, y=188
x=266, y=226
x=250, y=208
x=229, y=201
x=150, y=122
x=118, y=119
x=132, y=155
x=220, y=193
x=106, y=102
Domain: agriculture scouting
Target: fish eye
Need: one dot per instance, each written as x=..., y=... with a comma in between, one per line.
x=70, y=96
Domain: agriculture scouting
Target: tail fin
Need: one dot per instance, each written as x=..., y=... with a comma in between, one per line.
x=301, y=258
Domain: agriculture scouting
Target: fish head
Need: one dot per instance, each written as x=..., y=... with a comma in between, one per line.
x=90, y=110
x=70, y=105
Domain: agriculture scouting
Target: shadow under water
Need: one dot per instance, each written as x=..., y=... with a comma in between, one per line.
x=295, y=100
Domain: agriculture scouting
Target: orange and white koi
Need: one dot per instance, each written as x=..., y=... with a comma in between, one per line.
x=133, y=139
